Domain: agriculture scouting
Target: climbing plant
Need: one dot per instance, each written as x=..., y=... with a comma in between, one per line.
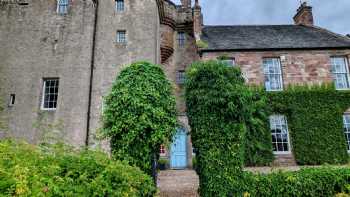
x=139, y=114
x=219, y=105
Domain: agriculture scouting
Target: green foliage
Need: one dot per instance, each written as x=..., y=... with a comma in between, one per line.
x=202, y=44
x=315, y=122
x=219, y=105
x=140, y=114
x=309, y=182
x=258, y=147
x=58, y=170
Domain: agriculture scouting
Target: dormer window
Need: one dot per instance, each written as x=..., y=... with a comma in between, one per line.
x=62, y=6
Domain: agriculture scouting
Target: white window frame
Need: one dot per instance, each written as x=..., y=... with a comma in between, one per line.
x=12, y=100
x=346, y=73
x=346, y=130
x=119, y=5
x=62, y=4
x=284, y=118
x=119, y=37
x=42, y=106
x=180, y=77
x=267, y=74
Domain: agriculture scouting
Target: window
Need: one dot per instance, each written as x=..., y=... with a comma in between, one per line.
x=273, y=74
x=121, y=36
x=346, y=119
x=50, y=94
x=119, y=5
x=180, y=77
x=229, y=62
x=181, y=39
x=279, y=132
x=62, y=6
x=12, y=100
x=162, y=150
x=340, y=72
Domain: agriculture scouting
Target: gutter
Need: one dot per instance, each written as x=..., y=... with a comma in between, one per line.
x=92, y=66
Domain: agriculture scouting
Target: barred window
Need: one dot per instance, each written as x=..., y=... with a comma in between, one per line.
x=119, y=5
x=180, y=77
x=346, y=119
x=121, y=36
x=62, y=6
x=181, y=39
x=50, y=94
x=279, y=132
x=273, y=74
x=340, y=72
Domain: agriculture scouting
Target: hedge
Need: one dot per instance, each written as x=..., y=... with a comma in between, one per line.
x=315, y=121
x=140, y=114
x=58, y=170
x=308, y=182
x=218, y=106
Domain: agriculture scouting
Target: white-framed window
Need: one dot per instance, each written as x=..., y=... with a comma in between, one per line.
x=119, y=5
x=12, y=100
x=121, y=36
x=181, y=38
x=62, y=6
x=340, y=70
x=50, y=94
x=280, y=134
x=230, y=62
x=180, y=77
x=346, y=120
x=273, y=74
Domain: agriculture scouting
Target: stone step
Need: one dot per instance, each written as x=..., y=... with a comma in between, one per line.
x=178, y=183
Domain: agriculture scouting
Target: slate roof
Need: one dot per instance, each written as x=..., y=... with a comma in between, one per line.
x=262, y=37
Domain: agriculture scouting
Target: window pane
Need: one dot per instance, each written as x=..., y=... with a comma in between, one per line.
x=119, y=5
x=50, y=94
x=340, y=72
x=273, y=74
x=121, y=36
x=346, y=119
x=279, y=132
x=181, y=39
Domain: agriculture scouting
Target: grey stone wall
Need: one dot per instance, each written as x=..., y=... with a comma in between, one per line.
x=37, y=43
x=140, y=20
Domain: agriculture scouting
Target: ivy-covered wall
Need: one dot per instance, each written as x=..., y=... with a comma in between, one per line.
x=315, y=120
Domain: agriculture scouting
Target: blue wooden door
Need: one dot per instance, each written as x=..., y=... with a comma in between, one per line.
x=178, y=159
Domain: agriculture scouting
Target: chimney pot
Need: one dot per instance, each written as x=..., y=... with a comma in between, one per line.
x=304, y=15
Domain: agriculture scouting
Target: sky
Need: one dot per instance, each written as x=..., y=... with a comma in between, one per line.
x=330, y=14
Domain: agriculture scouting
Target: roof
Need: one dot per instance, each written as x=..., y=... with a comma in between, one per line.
x=262, y=37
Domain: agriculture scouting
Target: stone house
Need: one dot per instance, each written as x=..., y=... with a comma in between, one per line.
x=60, y=57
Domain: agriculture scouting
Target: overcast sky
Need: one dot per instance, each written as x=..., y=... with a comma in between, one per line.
x=330, y=14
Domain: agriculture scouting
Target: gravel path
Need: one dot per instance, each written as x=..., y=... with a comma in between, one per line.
x=178, y=183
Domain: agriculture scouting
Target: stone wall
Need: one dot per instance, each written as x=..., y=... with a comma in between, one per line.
x=298, y=66
x=37, y=43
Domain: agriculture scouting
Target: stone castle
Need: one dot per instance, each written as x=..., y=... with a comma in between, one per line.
x=59, y=58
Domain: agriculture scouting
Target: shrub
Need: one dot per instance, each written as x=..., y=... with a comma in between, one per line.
x=218, y=106
x=309, y=182
x=57, y=170
x=315, y=122
x=140, y=114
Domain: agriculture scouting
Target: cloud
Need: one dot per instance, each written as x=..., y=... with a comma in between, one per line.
x=332, y=14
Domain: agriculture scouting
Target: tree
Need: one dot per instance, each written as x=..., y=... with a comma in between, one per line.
x=139, y=114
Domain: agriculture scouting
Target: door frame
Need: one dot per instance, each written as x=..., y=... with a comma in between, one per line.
x=184, y=131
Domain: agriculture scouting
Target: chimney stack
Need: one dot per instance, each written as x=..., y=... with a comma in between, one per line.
x=304, y=15
x=186, y=3
x=197, y=20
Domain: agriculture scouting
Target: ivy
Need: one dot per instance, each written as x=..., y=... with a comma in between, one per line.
x=315, y=120
x=139, y=114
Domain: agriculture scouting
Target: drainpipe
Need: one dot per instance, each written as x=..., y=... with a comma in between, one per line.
x=92, y=65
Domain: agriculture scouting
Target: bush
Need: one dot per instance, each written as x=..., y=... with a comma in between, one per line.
x=140, y=114
x=309, y=182
x=315, y=122
x=57, y=170
x=218, y=106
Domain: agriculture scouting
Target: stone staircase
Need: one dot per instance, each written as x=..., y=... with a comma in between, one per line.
x=178, y=183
